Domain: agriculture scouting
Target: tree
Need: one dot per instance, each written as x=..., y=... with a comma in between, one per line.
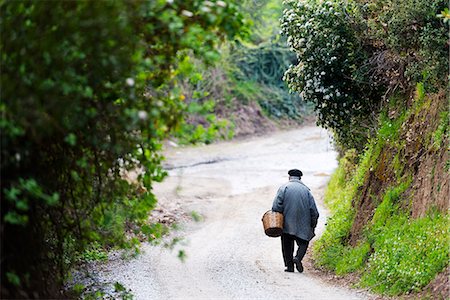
x=88, y=92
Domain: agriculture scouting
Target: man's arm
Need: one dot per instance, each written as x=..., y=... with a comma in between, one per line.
x=278, y=202
x=313, y=211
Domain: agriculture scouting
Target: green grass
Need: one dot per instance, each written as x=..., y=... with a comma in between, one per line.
x=408, y=253
x=442, y=131
x=353, y=258
x=95, y=253
x=338, y=197
x=396, y=254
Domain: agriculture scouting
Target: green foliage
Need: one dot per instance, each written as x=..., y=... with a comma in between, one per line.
x=408, y=253
x=442, y=131
x=331, y=250
x=89, y=90
x=395, y=254
x=78, y=289
x=95, y=253
x=98, y=290
x=352, y=258
x=389, y=130
x=386, y=209
x=154, y=231
x=264, y=15
x=13, y=278
x=259, y=76
x=327, y=73
x=398, y=254
x=247, y=73
x=122, y=292
x=182, y=255
x=445, y=15
x=338, y=197
x=354, y=54
x=210, y=129
x=414, y=37
x=196, y=216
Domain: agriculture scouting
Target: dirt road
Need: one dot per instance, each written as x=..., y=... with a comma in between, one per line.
x=231, y=185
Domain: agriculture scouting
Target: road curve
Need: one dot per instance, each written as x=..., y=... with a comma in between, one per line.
x=232, y=184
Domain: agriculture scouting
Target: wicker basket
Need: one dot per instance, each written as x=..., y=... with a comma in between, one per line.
x=273, y=223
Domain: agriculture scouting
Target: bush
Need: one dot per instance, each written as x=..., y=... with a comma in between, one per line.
x=330, y=56
x=408, y=40
x=354, y=55
x=88, y=92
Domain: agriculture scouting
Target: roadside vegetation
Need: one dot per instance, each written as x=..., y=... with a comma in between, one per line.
x=87, y=101
x=377, y=74
x=394, y=253
x=242, y=91
x=89, y=91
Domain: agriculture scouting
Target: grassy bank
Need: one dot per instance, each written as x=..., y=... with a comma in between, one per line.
x=380, y=229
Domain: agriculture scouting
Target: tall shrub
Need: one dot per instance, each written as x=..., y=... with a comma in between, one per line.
x=329, y=58
x=88, y=91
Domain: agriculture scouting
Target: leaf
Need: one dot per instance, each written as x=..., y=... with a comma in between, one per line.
x=22, y=205
x=118, y=287
x=12, y=193
x=52, y=200
x=71, y=139
x=13, y=278
x=14, y=218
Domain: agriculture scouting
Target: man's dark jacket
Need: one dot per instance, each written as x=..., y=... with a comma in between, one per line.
x=295, y=202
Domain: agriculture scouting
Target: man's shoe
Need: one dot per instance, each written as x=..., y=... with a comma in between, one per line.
x=289, y=270
x=298, y=265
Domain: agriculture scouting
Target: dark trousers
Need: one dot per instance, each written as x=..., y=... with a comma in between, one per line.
x=287, y=246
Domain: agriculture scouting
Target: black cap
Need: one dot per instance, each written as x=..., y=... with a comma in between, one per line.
x=295, y=172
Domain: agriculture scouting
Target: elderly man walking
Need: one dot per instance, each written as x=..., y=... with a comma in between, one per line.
x=295, y=202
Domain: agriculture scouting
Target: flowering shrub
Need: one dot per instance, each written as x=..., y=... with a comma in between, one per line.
x=328, y=57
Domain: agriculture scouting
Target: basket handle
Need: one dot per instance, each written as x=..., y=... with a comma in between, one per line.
x=265, y=214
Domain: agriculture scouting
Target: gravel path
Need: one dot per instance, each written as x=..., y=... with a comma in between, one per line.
x=231, y=185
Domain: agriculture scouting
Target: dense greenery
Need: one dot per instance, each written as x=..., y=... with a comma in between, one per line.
x=353, y=55
x=264, y=66
x=327, y=75
x=359, y=63
x=246, y=77
x=89, y=89
x=396, y=253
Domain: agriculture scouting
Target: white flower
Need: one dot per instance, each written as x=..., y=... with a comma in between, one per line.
x=221, y=4
x=169, y=1
x=322, y=73
x=205, y=9
x=208, y=3
x=187, y=13
x=130, y=81
x=142, y=115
